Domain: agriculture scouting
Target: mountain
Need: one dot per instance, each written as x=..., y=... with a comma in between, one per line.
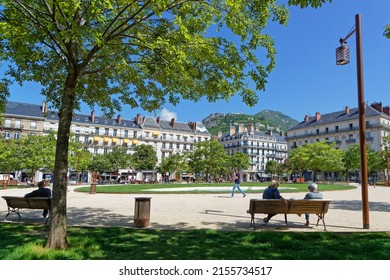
x=264, y=120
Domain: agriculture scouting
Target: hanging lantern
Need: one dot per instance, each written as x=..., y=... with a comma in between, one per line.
x=342, y=55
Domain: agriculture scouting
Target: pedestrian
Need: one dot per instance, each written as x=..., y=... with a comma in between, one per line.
x=237, y=182
x=312, y=194
x=40, y=192
x=272, y=192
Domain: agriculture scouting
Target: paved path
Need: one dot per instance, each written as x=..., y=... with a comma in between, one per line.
x=212, y=211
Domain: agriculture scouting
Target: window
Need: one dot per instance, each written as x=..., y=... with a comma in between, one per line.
x=135, y=134
x=106, y=131
x=337, y=128
x=126, y=133
x=350, y=126
x=327, y=129
x=17, y=124
x=33, y=125
x=318, y=131
x=96, y=130
x=115, y=132
x=16, y=135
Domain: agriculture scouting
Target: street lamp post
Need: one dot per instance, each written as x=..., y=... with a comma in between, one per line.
x=342, y=58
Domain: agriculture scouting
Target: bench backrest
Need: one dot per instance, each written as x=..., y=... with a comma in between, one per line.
x=267, y=206
x=31, y=202
x=300, y=206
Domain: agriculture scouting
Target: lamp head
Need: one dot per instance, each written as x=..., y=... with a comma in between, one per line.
x=342, y=55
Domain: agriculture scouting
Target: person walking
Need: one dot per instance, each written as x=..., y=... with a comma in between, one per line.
x=237, y=182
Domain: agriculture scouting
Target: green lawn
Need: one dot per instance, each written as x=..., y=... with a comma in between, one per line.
x=141, y=188
x=25, y=242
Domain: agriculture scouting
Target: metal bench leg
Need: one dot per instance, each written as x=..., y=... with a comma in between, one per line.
x=322, y=218
x=285, y=218
x=12, y=210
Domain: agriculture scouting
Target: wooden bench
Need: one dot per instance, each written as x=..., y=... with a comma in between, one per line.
x=299, y=207
x=14, y=203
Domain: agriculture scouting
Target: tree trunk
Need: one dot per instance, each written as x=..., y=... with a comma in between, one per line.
x=57, y=238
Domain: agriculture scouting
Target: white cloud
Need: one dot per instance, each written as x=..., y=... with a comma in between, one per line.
x=167, y=115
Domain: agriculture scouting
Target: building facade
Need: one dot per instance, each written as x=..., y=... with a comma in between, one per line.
x=260, y=146
x=99, y=134
x=342, y=128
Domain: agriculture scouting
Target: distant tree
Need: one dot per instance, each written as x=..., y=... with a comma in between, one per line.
x=271, y=168
x=37, y=151
x=119, y=159
x=8, y=161
x=144, y=157
x=209, y=158
x=239, y=160
x=298, y=160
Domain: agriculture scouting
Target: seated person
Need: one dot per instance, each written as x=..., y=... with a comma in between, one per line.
x=40, y=192
x=312, y=194
x=272, y=192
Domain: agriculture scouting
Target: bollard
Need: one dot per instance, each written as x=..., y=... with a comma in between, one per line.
x=142, y=212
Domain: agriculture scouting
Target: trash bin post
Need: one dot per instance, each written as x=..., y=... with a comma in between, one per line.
x=142, y=212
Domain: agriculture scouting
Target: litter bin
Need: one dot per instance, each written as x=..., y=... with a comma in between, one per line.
x=142, y=212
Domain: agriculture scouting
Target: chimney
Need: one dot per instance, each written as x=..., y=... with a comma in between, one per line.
x=386, y=110
x=240, y=128
x=138, y=119
x=44, y=107
x=192, y=125
x=119, y=119
x=281, y=132
x=219, y=134
x=318, y=116
x=232, y=130
x=377, y=106
x=346, y=110
x=173, y=122
x=270, y=132
x=306, y=119
x=92, y=116
x=251, y=127
x=158, y=120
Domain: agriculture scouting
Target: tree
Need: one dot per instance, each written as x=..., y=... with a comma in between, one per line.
x=298, y=159
x=239, y=160
x=36, y=152
x=175, y=163
x=209, y=158
x=272, y=168
x=144, y=157
x=140, y=53
x=8, y=161
x=119, y=158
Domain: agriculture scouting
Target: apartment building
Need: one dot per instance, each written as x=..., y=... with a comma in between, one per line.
x=342, y=128
x=100, y=134
x=260, y=146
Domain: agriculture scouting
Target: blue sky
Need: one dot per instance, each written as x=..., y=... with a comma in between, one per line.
x=306, y=79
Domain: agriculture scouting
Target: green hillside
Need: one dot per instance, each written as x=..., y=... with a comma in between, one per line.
x=262, y=121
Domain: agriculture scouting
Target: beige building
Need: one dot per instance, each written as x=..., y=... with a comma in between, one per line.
x=99, y=134
x=260, y=146
x=342, y=128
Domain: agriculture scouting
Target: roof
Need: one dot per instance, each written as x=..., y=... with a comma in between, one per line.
x=257, y=134
x=339, y=116
x=33, y=110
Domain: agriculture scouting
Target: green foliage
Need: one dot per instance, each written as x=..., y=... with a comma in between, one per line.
x=222, y=122
x=209, y=158
x=137, y=54
x=307, y=3
x=144, y=157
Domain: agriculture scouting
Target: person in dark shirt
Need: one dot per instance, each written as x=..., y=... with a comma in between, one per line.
x=40, y=192
x=272, y=192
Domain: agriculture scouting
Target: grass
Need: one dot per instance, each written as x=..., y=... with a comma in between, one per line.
x=26, y=242
x=141, y=188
